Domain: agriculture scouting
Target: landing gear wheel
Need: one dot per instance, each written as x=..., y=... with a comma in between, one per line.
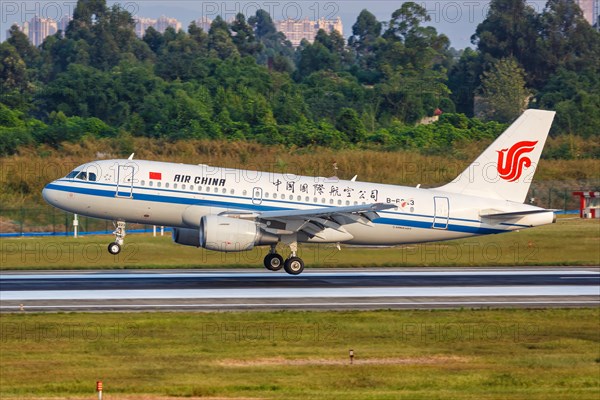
x=273, y=262
x=114, y=248
x=294, y=265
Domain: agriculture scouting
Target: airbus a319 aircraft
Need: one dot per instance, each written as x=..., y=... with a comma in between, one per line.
x=233, y=210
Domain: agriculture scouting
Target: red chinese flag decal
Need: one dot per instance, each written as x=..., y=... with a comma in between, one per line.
x=156, y=175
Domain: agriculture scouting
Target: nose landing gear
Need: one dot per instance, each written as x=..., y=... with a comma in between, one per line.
x=114, y=248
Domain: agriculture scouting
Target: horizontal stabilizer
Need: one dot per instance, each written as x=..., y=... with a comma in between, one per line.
x=513, y=214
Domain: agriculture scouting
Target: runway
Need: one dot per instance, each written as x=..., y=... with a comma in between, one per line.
x=317, y=289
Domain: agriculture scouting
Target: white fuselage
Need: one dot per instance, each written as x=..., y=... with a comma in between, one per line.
x=178, y=195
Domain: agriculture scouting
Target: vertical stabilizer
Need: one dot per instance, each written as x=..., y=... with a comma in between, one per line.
x=505, y=169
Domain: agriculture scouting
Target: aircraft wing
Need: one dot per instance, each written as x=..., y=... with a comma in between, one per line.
x=315, y=222
x=326, y=211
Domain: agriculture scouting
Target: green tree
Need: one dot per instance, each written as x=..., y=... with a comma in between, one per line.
x=154, y=39
x=13, y=71
x=464, y=79
x=28, y=52
x=510, y=30
x=568, y=40
x=349, y=123
x=220, y=43
x=503, y=93
x=365, y=41
x=243, y=38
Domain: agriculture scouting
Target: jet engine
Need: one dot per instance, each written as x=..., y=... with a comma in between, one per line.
x=224, y=234
x=232, y=234
x=186, y=236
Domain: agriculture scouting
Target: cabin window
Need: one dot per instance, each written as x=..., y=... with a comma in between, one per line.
x=199, y=188
x=150, y=183
x=330, y=201
x=158, y=184
x=216, y=190
x=191, y=187
x=299, y=198
x=347, y=202
x=207, y=189
x=224, y=191
x=244, y=192
x=167, y=185
x=307, y=199
x=232, y=191
x=323, y=200
x=174, y=186
x=183, y=187
x=315, y=200
x=266, y=195
x=339, y=202
x=143, y=182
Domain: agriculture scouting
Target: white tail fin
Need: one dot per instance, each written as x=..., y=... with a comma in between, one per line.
x=505, y=169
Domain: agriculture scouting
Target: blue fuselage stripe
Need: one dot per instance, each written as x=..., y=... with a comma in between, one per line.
x=259, y=207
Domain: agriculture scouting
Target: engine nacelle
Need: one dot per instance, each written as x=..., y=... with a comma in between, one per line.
x=186, y=237
x=232, y=234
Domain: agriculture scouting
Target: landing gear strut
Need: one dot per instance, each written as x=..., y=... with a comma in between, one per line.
x=294, y=264
x=273, y=261
x=115, y=247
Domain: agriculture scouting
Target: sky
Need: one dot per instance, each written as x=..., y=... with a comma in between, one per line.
x=456, y=19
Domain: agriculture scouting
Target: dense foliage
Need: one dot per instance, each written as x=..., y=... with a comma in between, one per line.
x=244, y=81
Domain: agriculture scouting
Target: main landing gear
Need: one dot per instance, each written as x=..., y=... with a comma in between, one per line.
x=115, y=247
x=293, y=265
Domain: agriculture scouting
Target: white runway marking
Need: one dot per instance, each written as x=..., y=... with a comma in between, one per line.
x=136, y=275
x=477, y=291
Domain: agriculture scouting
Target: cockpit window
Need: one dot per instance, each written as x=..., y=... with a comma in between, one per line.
x=72, y=174
x=84, y=176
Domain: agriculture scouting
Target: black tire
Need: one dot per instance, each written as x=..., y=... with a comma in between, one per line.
x=114, y=248
x=273, y=262
x=294, y=266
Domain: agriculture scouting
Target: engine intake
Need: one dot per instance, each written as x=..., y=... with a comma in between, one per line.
x=232, y=234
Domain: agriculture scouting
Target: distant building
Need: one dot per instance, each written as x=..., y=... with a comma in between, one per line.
x=590, y=10
x=161, y=24
x=63, y=23
x=37, y=29
x=164, y=22
x=297, y=30
x=204, y=23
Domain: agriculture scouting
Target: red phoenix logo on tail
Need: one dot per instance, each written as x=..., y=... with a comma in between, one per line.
x=511, y=168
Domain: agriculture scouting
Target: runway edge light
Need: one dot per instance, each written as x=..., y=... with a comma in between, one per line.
x=99, y=389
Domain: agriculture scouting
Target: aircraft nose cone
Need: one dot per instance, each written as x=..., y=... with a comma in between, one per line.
x=49, y=195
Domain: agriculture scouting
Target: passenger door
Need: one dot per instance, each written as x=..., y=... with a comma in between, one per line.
x=441, y=215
